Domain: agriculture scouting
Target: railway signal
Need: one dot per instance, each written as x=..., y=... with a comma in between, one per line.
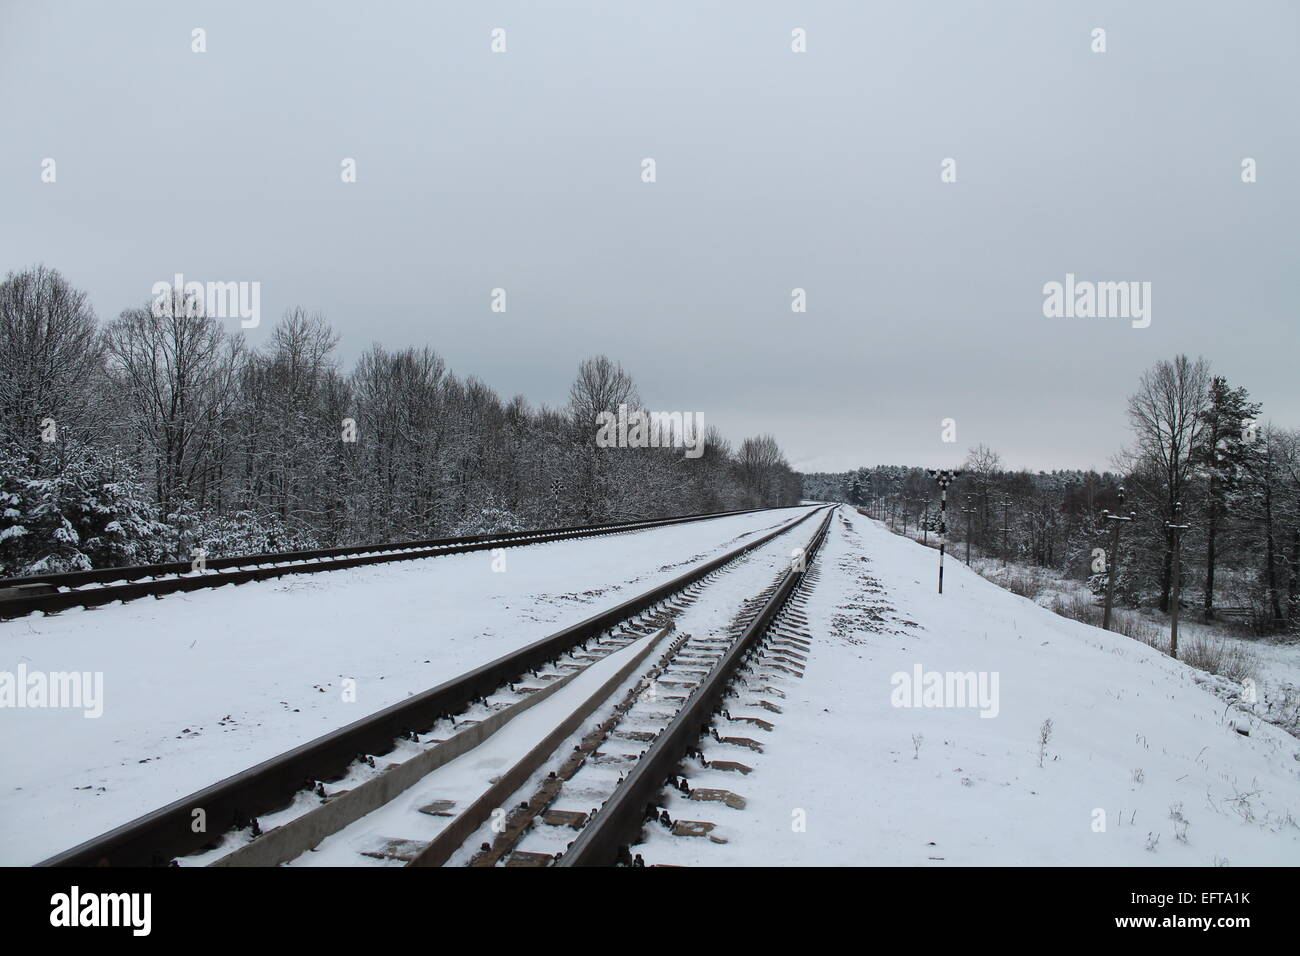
x=1113, y=558
x=944, y=478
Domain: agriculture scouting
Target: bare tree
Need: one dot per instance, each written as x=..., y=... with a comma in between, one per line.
x=1167, y=414
x=981, y=469
x=51, y=356
x=601, y=386
x=250, y=451
x=178, y=371
x=761, y=464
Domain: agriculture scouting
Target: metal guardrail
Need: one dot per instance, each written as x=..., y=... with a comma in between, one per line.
x=166, y=833
x=617, y=823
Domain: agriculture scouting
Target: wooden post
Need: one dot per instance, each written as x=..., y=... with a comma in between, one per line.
x=1006, y=530
x=1178, y=530
x=1112, y=559
x=969, y=512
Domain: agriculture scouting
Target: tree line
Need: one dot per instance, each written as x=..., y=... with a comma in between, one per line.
x=1199, y=445
x=161, y=431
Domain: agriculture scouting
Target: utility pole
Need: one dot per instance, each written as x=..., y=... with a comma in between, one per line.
x=909, y=501
x=944, y=479
x=557, y=487
x=969, y=512
x=1178, y=530
x=1113, y=557
x=1006, y=530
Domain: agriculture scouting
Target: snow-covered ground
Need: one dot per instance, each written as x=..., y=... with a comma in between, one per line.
x=202, y=685
x=1141, y=766
x=1271, y=663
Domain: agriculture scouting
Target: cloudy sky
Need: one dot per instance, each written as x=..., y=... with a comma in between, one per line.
x=775, y=170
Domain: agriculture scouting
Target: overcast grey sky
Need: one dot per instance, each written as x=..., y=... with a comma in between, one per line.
x=775, y=170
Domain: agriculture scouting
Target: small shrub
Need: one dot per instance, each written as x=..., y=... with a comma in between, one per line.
x=1026, y=585
x=1080, y=608
x=1219, y=656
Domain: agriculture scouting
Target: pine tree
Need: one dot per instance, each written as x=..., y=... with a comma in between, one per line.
x=1220, y=455
x=72, y=508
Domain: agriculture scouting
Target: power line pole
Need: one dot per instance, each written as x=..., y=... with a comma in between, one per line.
x=969, y=512
x=945, y=478
x=1178, y=530
x=908, y=501
x=1112, y=559
x=1006, y=530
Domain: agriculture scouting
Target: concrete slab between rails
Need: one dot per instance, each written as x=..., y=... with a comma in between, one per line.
x=477, y=813
x=292, y=839
x=733, y=800
x=730, y=765
x=696, y=828
x=574, y=819
x=524, y=858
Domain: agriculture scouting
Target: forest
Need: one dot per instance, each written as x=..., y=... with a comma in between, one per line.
x=1200, y=455
x=162, y=431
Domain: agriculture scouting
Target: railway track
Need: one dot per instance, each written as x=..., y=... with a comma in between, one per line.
x=745, y=664
x=279, y=809
x=56, y=592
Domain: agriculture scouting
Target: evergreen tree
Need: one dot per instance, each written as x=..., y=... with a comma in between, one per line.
x=1228, y=428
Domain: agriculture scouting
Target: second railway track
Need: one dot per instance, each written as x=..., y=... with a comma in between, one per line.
x=284, y=806
x=51, y=593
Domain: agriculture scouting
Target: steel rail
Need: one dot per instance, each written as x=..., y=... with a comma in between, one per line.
x=618, y=822
x=166, y=833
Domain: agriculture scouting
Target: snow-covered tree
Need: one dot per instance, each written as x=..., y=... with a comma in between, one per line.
x=72, y=509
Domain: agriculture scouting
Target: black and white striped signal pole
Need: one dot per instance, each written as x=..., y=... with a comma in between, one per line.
x=945, y=478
